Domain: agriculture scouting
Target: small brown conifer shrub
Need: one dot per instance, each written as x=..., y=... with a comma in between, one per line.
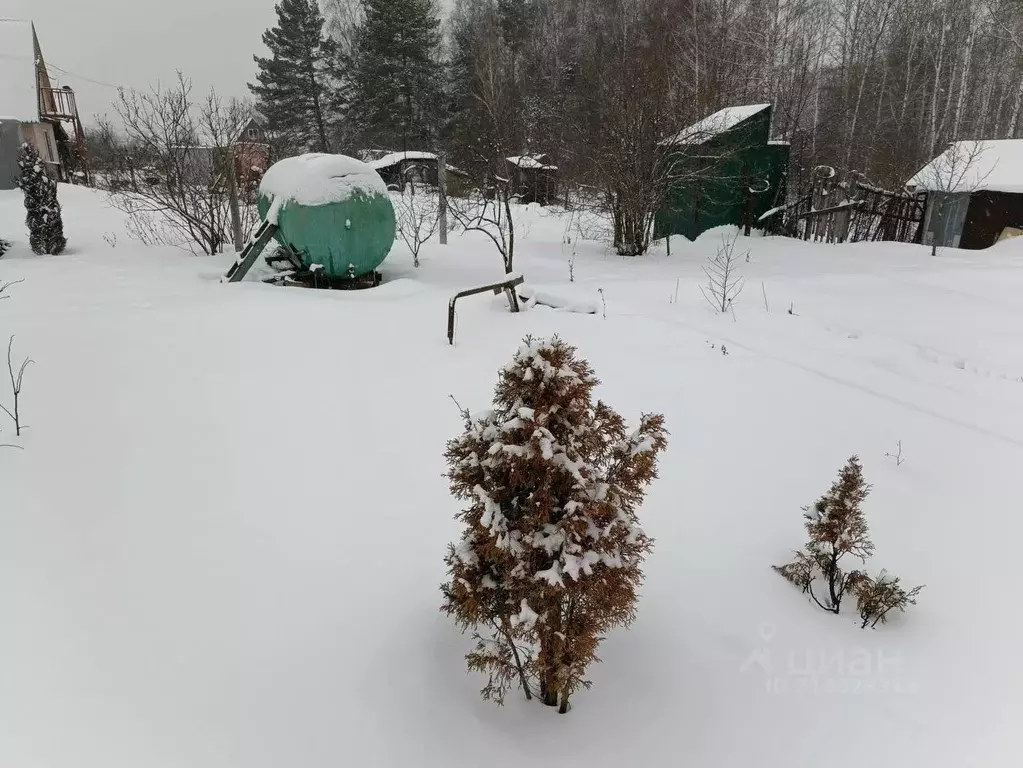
x=837, y=527
x=550, y=557
x=876, y=597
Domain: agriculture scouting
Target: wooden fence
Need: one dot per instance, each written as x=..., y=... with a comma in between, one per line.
x=848, y=211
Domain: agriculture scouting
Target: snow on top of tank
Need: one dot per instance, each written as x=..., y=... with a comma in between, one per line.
x=318, y=178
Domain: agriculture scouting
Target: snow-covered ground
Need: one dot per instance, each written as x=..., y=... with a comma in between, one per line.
x=221, y=544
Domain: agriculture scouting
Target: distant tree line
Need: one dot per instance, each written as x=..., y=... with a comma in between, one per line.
x=875, y=85
x=878, y=86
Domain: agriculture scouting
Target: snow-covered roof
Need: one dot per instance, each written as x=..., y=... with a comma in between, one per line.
x=19, y=95
x=712, y=125
x=252, y=116
x=393, y=158
x=318, y=178
x=971, y=166
x=532, y=162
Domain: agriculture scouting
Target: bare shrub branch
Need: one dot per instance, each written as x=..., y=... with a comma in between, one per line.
x=16, y=382
x=487, y=209
x=174, y=174
x=897, y=455
x=5, y=286
x=724, y=284
x=418, y=219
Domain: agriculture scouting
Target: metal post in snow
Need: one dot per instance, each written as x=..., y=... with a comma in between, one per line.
x=232, y=191
x=442, y=187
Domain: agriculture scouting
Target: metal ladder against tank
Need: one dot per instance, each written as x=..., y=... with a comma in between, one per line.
x=250, y=253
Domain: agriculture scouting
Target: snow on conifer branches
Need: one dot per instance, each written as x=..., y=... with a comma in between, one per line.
x=45, y=225
x=550, y=558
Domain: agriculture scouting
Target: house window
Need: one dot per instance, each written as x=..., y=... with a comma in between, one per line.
x=252, y=133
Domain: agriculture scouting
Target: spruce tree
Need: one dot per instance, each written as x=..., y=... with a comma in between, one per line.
x=550, y=557
x=45, y=225
x=295, y=83
x=397, y=94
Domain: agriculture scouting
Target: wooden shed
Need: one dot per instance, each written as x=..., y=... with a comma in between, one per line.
x=534, y=179
x=418, y=169
x=974, y=193
x=722, y=170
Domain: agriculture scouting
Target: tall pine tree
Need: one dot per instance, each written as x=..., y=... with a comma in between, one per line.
x=397, y=94
x=45, y=225
x=295, y=83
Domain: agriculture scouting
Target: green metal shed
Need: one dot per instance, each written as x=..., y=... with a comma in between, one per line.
x=725, y=170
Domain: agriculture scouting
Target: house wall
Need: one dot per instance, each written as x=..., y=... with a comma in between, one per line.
x=943, y=222
x=12, y=135
x=987, y=215
x=40, y=136
x=716, y=173
x=251, y=162
x=10, y=140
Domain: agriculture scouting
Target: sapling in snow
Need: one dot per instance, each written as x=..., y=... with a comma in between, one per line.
x=16, y=381
x=5, y=286
x=417, y=220
x=838, y=528
x=875, y=598
x=897, y=455
x=549, y=559
x=486, y=208
x=724, y=284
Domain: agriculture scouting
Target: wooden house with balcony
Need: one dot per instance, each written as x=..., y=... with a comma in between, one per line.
x=33, y=110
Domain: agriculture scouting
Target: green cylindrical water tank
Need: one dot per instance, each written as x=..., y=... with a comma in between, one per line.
x=331, y=210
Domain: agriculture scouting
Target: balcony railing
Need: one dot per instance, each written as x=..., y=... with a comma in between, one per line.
x=58, y=103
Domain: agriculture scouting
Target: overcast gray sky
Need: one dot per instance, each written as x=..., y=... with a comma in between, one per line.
x=135, y=43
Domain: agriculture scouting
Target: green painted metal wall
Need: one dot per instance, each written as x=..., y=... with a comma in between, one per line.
x=349, y=238
x=724, y=164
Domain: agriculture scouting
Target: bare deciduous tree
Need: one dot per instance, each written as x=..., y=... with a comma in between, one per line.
x=487, y=208
x=959, y=170
x=874, y=86
x=418, y=219
x=183, y=153
x=724, y=284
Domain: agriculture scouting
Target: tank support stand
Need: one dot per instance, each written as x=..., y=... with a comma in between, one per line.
x=250, y=253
